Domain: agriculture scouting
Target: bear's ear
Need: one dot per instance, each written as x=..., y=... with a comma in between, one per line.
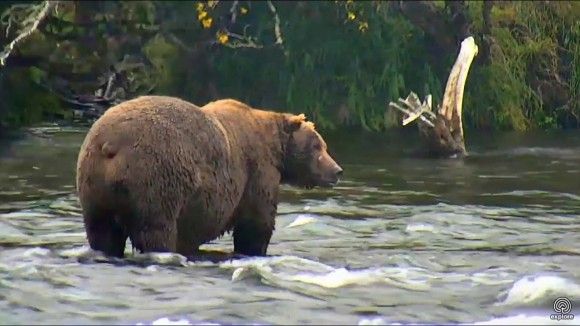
x=295, y=121
x=310, y=125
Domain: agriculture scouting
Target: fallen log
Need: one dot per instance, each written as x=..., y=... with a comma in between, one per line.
x=442, y=131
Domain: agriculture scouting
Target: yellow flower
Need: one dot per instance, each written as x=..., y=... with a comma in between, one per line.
x=243, y=10
x=202, y=15
x=363, y=26
x=351, y=15
x=222, y=37
x=207, y=22
x=199, y=6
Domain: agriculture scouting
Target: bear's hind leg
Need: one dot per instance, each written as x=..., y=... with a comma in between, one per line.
x=104, y=233
x=158, y=236
x=186, y=239
x=251, y=238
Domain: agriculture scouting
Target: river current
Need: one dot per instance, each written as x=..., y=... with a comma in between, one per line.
x=490, y=239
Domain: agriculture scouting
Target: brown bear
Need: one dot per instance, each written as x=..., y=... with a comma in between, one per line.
x=171, y=176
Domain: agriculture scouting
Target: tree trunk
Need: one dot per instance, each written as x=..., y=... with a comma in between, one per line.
x=442, y=131
x=486, y=33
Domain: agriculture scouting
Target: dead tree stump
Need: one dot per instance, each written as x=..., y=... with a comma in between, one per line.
x=442, y=131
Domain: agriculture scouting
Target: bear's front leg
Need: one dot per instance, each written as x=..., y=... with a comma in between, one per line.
x=251, y=238
x=255, y=223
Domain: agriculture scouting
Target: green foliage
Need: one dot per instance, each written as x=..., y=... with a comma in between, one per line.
x=527, y=53
x=165, y=59
x=340, y=63
x=339, y=74
x=573, y=43
x=333, y=81
x=28, y=103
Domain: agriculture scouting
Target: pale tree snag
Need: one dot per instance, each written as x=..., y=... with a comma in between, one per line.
x=442, y=131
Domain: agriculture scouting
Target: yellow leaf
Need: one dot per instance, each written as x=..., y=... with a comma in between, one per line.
x=243, y=10
x=212, y=3
x=199, y=6
x=351, y=15
x=222, y=37
x=363, y=26
x=202, y=15
x=207, y=22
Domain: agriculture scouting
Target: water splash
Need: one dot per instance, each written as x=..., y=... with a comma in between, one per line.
x=523, y=319
x=302, y=220
x=420, y=227
x=520, y=319
x=179, y=321
x=284, y=269
x=534, y=290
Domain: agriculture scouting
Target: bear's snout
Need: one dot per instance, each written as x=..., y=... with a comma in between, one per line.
x=336, y=173
x=331, y=171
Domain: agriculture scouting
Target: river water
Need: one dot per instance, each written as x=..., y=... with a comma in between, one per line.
x=494, y=238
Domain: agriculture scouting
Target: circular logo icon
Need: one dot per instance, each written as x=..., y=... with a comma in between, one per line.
x=562, y=305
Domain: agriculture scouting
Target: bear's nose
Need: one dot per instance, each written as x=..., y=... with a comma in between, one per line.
x=338, y=171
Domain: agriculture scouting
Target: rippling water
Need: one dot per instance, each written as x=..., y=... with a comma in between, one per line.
x=492, y=239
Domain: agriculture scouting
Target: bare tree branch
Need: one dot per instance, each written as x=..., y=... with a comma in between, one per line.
x=276, y=22
x=234, y=12
x=14, y=14
x=48, y=5
x=243, y=42
x=9, y=26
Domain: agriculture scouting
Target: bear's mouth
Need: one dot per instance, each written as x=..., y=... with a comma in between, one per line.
x=328, y=183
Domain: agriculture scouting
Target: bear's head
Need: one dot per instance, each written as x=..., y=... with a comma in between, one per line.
x=306, y=161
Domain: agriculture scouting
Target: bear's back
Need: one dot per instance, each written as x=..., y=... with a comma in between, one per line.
x=156, y=118
x=158, y=126
x=153, y=108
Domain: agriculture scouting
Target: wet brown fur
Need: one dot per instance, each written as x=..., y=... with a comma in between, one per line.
x=171, y=176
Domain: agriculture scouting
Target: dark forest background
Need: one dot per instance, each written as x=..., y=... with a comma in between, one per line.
x=339, y=62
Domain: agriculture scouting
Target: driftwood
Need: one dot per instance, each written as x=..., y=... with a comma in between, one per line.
x=442, y=130
x=91, y=106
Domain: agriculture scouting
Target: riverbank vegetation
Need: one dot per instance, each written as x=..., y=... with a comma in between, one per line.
x=339, y=62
